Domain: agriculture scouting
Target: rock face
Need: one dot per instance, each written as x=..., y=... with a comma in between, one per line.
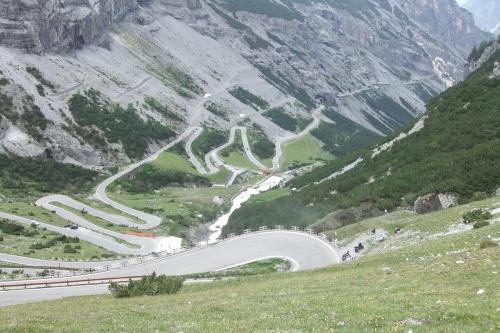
x=486, y=53
x=347, y=216
x=375, y=62
x=352, y=57
x=50, y=25
x=434, y=202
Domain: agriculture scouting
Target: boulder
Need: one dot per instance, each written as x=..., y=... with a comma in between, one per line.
x=433, y=202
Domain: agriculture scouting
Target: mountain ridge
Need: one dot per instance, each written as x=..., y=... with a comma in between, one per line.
x=285, y=57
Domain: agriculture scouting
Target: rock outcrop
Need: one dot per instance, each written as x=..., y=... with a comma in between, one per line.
x=434, y=202
x=485, y=53
x=49, y=25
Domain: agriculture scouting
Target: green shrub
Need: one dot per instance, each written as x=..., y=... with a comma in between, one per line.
x=151, y=285
x=210, y=138
x=282, y=119
x=476, y=215
x=246, y=97
x=217, y=109
x=263, y=148
x=116, y=124
x=161, y=108
x=69, y=249
x=149, y=178
x=35, y=72
x=480, y=224
x=24, y=174
x=11, y=228
x=487, y=243
x=41, y=89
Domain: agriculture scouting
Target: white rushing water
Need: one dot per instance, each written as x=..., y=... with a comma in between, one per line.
x=266, y=185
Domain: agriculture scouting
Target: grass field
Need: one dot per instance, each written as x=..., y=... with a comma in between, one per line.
x=180, y=207
x=305, y=150
x=33, y=212
x=168, y=161
x=238, y=159
x=443, y=285
x=235, y=156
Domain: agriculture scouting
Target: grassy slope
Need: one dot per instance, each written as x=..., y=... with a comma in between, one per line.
x=304, y=150
x=234, y=155
x=434, y=283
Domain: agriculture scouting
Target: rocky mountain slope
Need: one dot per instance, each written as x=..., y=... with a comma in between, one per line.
x=158, y=63
x=486, y=14
x=450, y=155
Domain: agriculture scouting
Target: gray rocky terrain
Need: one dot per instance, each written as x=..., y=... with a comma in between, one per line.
x=376, y=63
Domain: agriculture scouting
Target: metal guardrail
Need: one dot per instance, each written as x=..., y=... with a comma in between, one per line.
x=65, y=283
x=165, y=254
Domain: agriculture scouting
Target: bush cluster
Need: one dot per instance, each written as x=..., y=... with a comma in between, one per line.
x=115, y=124
x=151, y=285
x=53, y=241
x=476, y=215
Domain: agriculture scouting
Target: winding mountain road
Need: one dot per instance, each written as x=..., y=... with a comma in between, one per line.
x=303, y=250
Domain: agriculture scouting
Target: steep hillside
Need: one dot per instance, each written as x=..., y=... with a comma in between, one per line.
x=454, y=149
x=372, y=62
x=486, y=14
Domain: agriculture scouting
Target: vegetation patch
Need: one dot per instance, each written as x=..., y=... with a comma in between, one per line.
x=253, y=40
x=37, y=242
x=478, y=51
x=151, y=285
x=101, y=122
x=24, y=175
x=163, y=109
x=344, y=136
x=149, y=178
x=42, y=82
x=246, y=97
x=210, y=139
x=217, y=109
x=302, y=151
x=388, y=108
x=263, y=7
x=281, y=118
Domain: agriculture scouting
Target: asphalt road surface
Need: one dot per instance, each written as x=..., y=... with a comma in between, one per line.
x=304, y=251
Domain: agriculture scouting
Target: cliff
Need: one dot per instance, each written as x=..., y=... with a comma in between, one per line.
x=58, y=25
